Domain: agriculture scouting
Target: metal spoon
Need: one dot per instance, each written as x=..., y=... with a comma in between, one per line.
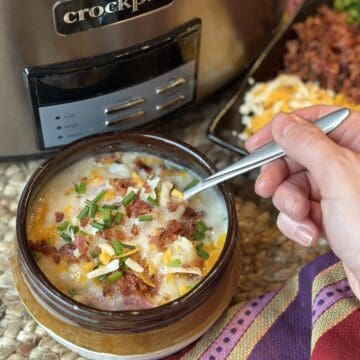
x=263, y=155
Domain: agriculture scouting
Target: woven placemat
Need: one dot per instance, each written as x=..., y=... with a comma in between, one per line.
x=269, y=260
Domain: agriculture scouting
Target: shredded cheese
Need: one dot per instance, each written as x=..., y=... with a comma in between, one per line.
x=178, y=194
x=139, y=181
x=133, y=265
x=285, y=93
x=112, y=266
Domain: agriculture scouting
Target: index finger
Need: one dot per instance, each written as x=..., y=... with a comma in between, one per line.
x=342, y=135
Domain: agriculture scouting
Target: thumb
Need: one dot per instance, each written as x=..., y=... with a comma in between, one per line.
x=304, y=142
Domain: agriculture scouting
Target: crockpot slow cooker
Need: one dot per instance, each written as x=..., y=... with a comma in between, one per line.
x=72, y=68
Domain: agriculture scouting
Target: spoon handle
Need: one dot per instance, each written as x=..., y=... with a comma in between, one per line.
x=263, y=155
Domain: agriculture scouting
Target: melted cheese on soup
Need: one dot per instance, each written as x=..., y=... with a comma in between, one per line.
x=114, y=233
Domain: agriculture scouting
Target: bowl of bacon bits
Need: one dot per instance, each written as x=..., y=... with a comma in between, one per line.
x=315, y=60
x=111, y=260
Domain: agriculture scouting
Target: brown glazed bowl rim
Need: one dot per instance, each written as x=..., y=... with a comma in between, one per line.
x=124, y=320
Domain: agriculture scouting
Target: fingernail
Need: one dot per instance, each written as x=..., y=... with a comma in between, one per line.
x=282, y=125
x=304, y=235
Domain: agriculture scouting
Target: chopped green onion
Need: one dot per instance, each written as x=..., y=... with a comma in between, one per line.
x=118, y=247
x=99, y=196
x=118, y=217
x=84, y=212
x=107, y=214
x=192, y=184
x=101, y=277
x=66, y=237
x=98, y=225
x=94, y=255
x=145, y=218
x=112, y=207
x=200, y=226
x=114, y=277
x=72, y=292
x=197, y=235
x=36, y=256
x=92, y=209
x=63, y=226
x=107, y=223
x=130, y=247
x=75, y=229
x=128, y=199
x=175, y=263
x=201, y=252
x=80, y=188
x=122, y=262
x=152, y=201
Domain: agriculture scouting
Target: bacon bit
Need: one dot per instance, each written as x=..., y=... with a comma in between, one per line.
x=187, y=227
x=167, y=236
x=120, y=186
x=134, y=230
x=67, y=252
x=191, y=214
x=118, y=234
x=172, y=205
x=108, y=289
x=56, y=258
x=84, y=258
x=107, y=234
x=84, y=221
x=129, y=284
x=147, y=188
x=112, y=234
x=137, y=208
x=42, y=247
x=142, y=166
x=173, y=226
x=157, y=241
x=59, y=217
x=81, y=244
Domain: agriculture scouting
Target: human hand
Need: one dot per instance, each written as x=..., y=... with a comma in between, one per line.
x=316, y=187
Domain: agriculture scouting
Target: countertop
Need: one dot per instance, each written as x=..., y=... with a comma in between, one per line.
x=269, y=259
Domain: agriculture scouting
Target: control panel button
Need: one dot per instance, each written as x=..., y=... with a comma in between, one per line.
x=171, y=85
x=179, y=99
x=124, y=106
x=131, y=117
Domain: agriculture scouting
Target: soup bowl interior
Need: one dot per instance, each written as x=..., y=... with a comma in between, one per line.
x=126, y=320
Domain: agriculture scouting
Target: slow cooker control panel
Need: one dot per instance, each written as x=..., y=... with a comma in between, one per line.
x=116, y=91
